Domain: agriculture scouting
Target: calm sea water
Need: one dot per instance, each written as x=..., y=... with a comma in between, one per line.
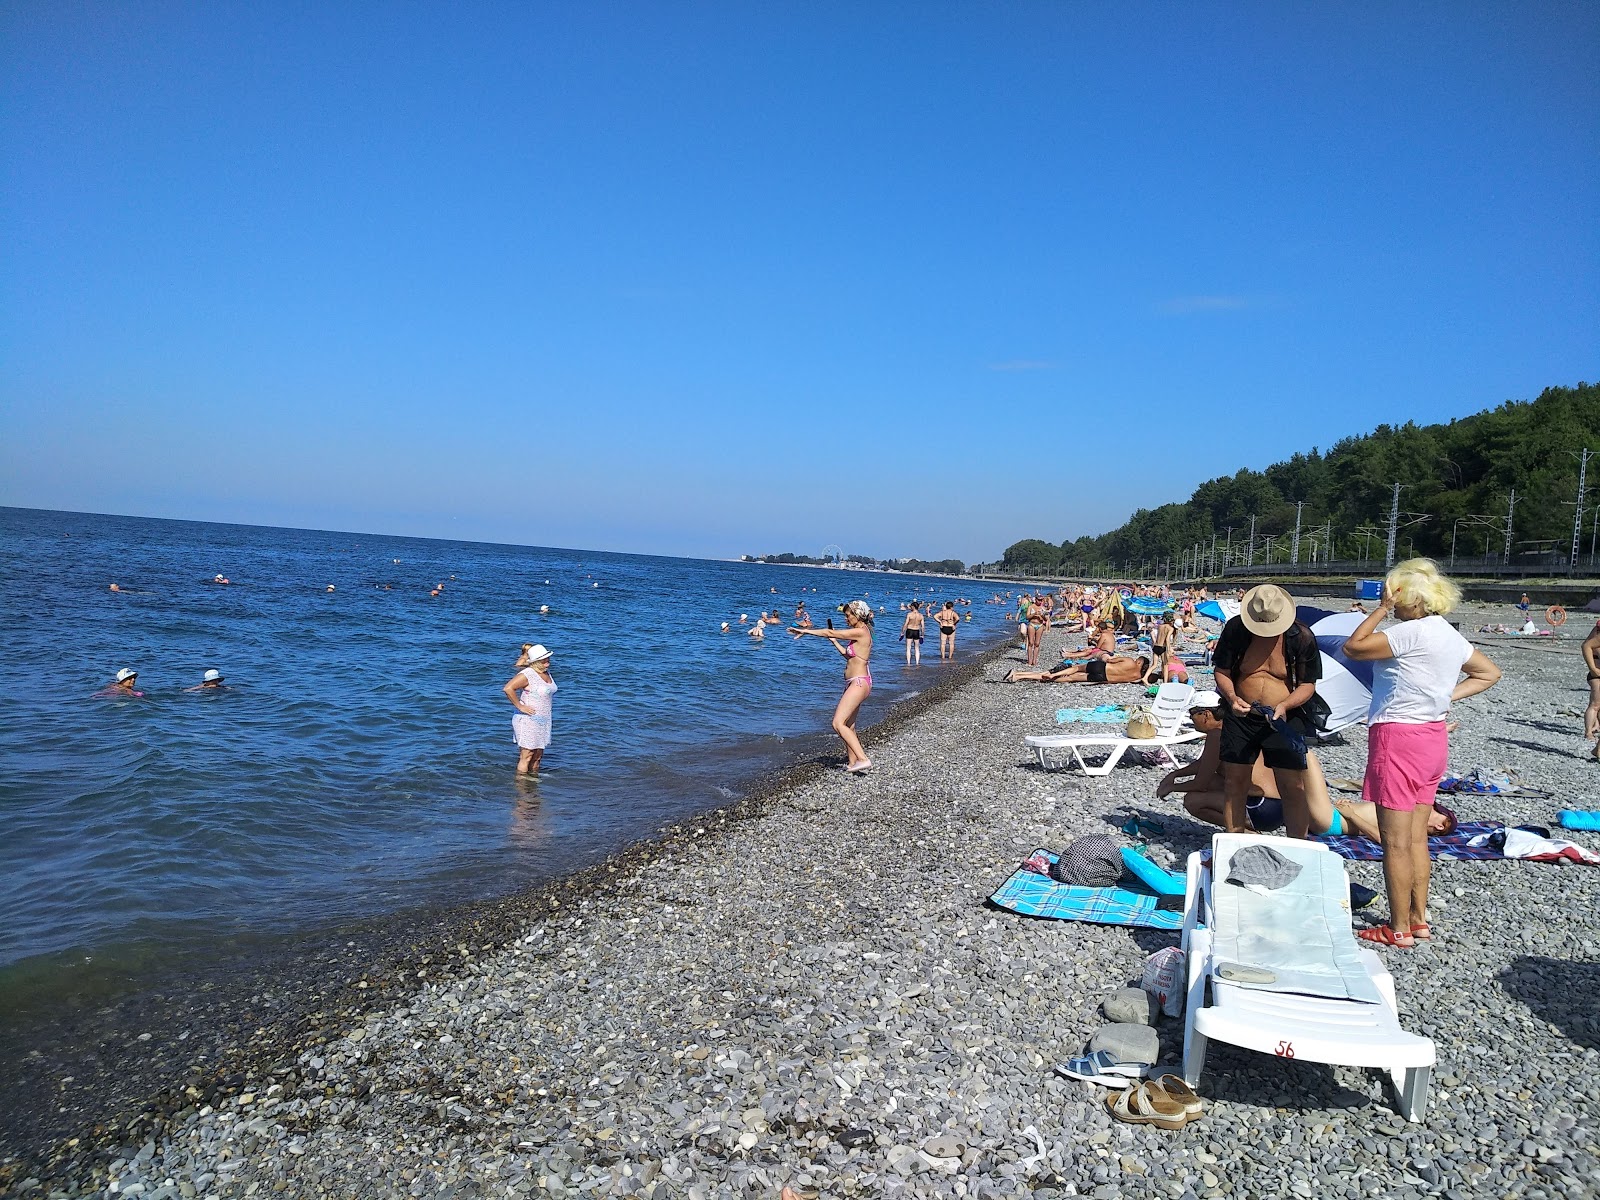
x=361, y=761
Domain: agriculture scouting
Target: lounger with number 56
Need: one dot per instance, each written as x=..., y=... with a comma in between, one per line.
x=1275, y=967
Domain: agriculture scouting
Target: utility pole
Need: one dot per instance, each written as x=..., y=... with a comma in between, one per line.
x=1577, y=517
x=1227, y=551
x=1294, y=555
x=1510, y=508
x=1394, y=526
x=1252, y=561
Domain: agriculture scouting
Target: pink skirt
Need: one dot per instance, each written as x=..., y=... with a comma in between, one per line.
x=1405, y=764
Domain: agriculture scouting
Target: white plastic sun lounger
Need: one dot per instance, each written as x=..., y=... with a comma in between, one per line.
x=1171, y=711
x=1332, y=1001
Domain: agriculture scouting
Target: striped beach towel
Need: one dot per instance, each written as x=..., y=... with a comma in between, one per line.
x=1130, y=903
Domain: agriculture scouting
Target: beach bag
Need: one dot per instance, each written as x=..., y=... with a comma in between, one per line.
x=1141, y=724
x=1094, y=861
x=1164, y=979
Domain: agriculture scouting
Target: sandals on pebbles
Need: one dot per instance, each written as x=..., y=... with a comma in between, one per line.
x=1152, y=1104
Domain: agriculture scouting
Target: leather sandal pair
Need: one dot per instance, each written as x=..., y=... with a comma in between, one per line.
x=1166, y=1103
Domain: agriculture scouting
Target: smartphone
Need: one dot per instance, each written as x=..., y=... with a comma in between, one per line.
x=830, y=622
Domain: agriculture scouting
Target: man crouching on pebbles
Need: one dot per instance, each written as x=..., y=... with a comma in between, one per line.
x=1267, y=665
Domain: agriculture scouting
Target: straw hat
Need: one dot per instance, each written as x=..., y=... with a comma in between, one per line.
x=1267, y=610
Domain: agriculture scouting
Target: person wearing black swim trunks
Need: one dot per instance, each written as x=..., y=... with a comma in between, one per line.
x=1100, y=670
x=911, y=632
x=1266, y=661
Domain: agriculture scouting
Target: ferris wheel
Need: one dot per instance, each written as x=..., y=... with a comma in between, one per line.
x=832, y=553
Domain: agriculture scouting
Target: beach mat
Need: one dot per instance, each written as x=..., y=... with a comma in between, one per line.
x=1454, y=846
x=1035, y=895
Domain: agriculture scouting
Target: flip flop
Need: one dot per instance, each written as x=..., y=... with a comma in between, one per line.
x=1179, y=1092
x=1385, y=936
x=1140, y=1106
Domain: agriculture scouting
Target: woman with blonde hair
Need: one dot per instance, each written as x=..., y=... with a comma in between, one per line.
x=854, y=645
x=530, y=691
x=1419, y=661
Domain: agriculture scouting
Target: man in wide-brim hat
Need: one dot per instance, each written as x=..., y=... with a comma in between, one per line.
x=1267, y=665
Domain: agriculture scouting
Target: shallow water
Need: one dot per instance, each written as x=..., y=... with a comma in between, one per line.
x=361, y=761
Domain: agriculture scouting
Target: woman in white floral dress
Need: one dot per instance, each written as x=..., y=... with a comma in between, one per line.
x=530, y=691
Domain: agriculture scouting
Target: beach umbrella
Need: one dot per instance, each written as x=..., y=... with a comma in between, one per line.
x=1147, y=606
x=1218, y=610
x=1345, y=684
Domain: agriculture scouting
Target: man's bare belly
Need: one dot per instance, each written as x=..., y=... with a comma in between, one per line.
x=1262, y=676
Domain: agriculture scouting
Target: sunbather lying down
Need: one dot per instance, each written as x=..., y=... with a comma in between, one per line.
x=1099, y=670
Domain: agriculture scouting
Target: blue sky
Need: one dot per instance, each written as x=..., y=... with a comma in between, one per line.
x=707, y=279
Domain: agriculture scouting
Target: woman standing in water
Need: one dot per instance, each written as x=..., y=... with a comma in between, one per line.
x=530, y=691
x=947, y=619
x=854, y=644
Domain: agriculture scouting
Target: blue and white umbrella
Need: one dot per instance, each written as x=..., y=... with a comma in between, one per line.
x=1346, y=683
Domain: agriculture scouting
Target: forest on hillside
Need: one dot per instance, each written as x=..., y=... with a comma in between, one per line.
x=1458, y=479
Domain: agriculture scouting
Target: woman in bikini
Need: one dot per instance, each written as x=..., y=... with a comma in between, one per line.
x=854, y=644
x=949, y=621
x=1038, y=617
x=1591, y=715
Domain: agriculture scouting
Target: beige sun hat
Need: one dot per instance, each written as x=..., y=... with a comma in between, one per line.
x=1267, y=610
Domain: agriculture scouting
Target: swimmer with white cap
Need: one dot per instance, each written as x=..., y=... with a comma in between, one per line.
x=211, y=681
x=123, y=685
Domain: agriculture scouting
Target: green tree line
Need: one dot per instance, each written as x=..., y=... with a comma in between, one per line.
x=1466, y=468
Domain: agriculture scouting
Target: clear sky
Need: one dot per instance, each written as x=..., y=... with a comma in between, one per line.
x=714, y=278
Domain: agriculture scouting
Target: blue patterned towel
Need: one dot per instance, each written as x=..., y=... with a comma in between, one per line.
x=1035, y=895
x=1452, y=846
x=1104, y=714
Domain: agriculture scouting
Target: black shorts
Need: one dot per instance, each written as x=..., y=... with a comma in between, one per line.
x=1097, y=670
x=913, y=635
x=1244, y=737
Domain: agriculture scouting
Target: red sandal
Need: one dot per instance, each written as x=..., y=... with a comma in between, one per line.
x=1385, y=936
x=1422, y=932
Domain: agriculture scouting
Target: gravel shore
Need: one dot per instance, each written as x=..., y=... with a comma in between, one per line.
x=809, y=994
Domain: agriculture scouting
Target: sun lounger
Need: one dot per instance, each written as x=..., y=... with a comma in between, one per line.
x=1170, y=708
x=1329, y=1000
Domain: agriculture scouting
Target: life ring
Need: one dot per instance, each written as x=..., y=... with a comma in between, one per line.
x=1556, y=615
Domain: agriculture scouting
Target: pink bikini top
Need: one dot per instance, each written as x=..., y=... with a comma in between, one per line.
x=849, y=649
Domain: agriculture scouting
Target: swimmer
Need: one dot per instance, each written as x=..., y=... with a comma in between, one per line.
x=122, y=685
x=544, y=608
x=759, y=631
x=115, y=588
x=724, y=627
x=211, y=681
x=330, y=587
x=223, y=579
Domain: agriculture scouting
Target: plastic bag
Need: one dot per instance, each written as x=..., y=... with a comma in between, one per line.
x=1164, y=978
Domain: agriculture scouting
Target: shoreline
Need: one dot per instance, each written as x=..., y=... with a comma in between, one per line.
x=335, y=974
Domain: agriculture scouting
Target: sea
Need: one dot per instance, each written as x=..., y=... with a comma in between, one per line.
x=360, y=760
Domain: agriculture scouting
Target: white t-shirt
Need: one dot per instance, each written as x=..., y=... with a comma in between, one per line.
x=1413, y=687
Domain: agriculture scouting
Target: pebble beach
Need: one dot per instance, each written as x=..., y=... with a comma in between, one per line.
x=810, y=990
